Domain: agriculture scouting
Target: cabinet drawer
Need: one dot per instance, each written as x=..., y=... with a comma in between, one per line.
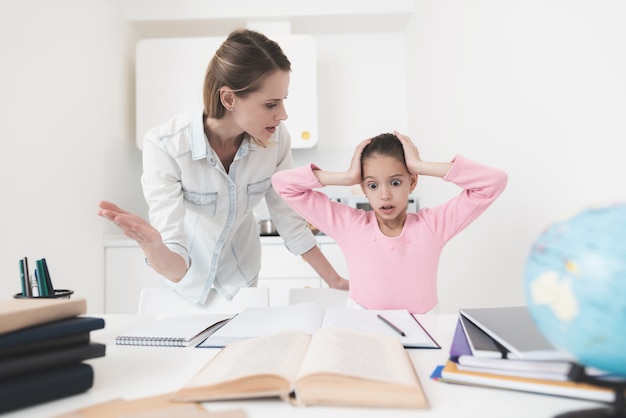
x=280, y=286
x=126, y=273
x=277, y=261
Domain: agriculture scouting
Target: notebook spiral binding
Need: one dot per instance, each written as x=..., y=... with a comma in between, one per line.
x=151, y=341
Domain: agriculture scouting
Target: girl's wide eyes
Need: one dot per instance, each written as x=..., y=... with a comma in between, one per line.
x=374, y=186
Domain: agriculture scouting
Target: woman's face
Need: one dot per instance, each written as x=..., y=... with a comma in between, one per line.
x=259, y=113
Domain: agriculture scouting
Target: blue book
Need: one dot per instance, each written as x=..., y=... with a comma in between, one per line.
x=35, y=388
x=17, y=365
x=42, y=333
x=460, y=345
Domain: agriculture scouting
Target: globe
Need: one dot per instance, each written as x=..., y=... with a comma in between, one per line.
x=575, y=286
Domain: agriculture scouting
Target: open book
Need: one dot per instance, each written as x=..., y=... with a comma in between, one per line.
x=309, y=317
x=334, y=366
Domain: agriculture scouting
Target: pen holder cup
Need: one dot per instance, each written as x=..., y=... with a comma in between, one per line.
x=58, y=294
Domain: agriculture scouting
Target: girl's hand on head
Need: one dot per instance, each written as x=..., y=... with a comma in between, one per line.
x=354, y=172
x=411, y=153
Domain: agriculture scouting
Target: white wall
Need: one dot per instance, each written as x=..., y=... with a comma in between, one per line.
x=64, y=104
x=536, y=87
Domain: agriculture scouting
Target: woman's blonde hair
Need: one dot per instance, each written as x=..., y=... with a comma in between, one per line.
x=242, y=63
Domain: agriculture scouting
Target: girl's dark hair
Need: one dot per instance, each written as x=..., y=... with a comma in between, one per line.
x=242, y=62
x=384, y=144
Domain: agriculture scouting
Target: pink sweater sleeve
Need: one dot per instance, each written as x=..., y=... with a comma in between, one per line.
x=481, y=186
x=296, y=186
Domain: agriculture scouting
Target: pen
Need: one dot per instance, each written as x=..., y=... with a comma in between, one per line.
x=41, y=279
x=395, y=328
x=24, y=280
x=29, y=290
x=46, y=272
x=34, y=286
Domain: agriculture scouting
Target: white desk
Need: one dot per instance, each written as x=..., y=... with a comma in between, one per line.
x=133, y=372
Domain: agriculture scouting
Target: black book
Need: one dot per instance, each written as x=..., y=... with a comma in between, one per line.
x=34, y=388
x=52, y=343
x=16, y=365
x=513, y=329
x=34, y=336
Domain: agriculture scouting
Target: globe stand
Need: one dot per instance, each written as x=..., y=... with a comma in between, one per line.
x=616, y=410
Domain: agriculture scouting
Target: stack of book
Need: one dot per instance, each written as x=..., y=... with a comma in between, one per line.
x=43, y=345
x=502, y=348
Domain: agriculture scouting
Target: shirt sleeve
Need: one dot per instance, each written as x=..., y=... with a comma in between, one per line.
x=296, y=187
x=163, y=193
x=290, y=225
x=481, y=187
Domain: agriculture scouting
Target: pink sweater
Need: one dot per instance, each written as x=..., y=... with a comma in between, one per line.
x=394, y=272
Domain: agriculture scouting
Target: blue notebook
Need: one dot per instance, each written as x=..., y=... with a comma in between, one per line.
x=47, y=385
x=17, y=365
x=49, y=335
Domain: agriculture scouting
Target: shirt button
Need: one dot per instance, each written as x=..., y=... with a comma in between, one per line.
x=392, y=248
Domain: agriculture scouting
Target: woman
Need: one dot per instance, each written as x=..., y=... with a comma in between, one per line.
x=203, y=175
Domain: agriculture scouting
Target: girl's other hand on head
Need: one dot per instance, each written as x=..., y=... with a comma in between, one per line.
x=411, y=153
x=354, y=171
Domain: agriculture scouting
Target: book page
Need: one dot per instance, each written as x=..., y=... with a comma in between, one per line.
x=20, y=313
x=368, y=321
x=275, y=354
x=358, y=354
x=259, y=321
x=152, y=407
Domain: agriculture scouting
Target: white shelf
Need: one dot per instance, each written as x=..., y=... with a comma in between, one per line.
x=164, y=18
x=116, y=240
x=167, y=10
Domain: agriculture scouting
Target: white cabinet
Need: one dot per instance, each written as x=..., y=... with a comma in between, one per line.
x=281, y=270
x=126, y=272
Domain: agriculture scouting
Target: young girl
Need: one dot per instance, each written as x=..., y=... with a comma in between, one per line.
x=392, y=255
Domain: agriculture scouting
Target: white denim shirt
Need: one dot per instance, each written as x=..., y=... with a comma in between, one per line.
x=206, y=214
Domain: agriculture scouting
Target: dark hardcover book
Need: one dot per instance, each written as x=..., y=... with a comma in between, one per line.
x=47, y=385
x=514, y=329
x=44, y=345
x=56, y=329
x=480, y=343
x=40, y=360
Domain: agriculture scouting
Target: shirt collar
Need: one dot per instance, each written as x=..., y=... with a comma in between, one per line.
x=199, y=141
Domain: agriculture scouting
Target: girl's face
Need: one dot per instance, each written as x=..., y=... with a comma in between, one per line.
x=259, y=113
x=387, y=185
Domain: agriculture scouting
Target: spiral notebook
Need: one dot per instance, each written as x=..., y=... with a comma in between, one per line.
x=174, y=331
